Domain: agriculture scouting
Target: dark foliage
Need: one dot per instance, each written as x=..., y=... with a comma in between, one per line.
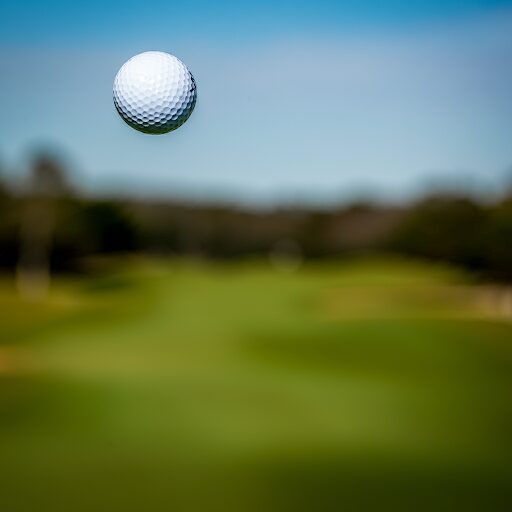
x=456, y=230
x=448, y=229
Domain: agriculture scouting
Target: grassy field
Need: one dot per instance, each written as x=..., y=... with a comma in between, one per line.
x=187, y=386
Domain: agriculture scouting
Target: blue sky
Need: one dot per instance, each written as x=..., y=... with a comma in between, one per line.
x=319, y=100
x=96, y=21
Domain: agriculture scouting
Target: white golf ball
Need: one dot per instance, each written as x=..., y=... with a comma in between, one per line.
x=154, y=92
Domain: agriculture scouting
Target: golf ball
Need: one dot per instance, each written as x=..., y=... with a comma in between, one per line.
x=154, y=92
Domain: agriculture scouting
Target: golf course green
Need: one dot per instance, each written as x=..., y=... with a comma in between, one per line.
x=197, y=386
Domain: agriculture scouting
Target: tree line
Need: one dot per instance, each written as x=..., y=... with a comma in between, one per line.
x=45, y=223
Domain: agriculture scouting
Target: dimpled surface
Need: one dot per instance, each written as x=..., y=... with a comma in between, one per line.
x=154, y=92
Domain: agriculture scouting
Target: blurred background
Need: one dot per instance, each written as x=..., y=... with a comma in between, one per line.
x=300, y=300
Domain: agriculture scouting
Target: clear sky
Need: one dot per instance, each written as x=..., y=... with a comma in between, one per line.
x=297, y=99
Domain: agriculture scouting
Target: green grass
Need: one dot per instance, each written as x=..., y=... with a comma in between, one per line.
x=193, y=386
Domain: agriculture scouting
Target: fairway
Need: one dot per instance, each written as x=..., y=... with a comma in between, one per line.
x=187, y=385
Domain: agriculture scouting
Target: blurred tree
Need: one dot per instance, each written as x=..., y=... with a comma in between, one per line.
x=108, y=227
x=45, y=187
x=498, y=241
x=8, y=228
x=314, y=235
x=444, y=228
